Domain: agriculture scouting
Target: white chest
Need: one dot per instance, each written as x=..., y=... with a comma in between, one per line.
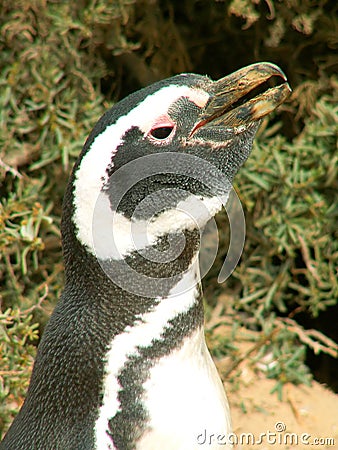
x=184, y=397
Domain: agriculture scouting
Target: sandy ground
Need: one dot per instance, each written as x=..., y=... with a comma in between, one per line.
x=306, y=417
x=309, y=412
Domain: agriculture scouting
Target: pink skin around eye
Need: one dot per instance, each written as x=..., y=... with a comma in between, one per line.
x=162, y=122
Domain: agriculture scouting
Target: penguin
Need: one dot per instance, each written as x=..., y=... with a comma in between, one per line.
x=123, y=363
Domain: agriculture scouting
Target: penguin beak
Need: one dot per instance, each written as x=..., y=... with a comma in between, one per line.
x=244, y=96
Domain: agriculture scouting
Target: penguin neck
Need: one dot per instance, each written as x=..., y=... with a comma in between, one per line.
x=119, y=283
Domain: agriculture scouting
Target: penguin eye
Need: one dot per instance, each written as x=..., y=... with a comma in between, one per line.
x=161, y=132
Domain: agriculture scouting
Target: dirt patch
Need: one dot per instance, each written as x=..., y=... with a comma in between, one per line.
x=306, y=417
x=309, y=412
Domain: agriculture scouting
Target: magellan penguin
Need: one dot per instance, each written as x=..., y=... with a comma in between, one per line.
x=123, y=362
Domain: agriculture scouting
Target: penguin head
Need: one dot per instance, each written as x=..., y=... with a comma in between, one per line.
x=180, y=138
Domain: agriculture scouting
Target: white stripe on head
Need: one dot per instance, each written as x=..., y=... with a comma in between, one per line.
x=147, y=328
x=91, y=173
x=115, y=236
